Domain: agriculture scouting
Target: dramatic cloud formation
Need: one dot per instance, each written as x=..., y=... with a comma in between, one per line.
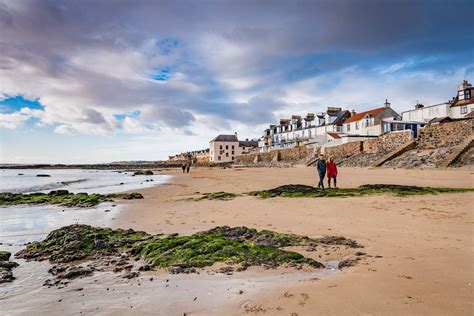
x=181, y=71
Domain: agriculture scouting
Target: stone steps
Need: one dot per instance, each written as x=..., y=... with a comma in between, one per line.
x=458, y=151
x=395, y=153
x=311, y=161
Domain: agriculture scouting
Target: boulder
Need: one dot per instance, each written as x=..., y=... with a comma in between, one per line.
x=5, y=255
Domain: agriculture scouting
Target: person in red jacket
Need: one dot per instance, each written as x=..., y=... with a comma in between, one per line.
x=332, y=172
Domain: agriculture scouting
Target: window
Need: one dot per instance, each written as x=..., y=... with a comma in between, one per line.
x=434, y=111
x=464, y=109
x=233, y=152
x=232, y=157
x=232, y=146
x=218, y=157
x=349, y=127
x=467, y=94
x=227, y=154
x=357, y=125
x=226, y=146
x=220, y=147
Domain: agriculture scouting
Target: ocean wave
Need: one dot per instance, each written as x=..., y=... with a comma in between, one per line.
x=47, y=186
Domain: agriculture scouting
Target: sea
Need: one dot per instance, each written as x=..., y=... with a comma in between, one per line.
x=24, y=223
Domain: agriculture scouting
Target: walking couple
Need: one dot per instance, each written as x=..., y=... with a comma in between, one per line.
x=326, y=167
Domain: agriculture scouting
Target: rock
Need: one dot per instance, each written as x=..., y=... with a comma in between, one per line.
x=131, y=275
x=6, y=276
x=43, y=175
x=144, y=267
x=5, y=255
x=360, y=253
x=75, y=272
x=227, y=270
x=58, y=192
x=8, y=265
x=347, y=263
x=339, y=240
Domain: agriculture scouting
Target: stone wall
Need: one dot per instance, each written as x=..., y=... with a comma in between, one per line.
x=290, y=155
x=386, y=142
x=343, y=151
x=445, y=135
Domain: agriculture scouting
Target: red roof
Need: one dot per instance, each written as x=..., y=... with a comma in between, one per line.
x=360, y=116
x=334, y=135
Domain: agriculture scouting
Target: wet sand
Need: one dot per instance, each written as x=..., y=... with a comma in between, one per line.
x=421, y=250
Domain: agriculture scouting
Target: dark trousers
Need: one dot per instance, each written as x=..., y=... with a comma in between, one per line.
x=321, y=180
x=329, y=181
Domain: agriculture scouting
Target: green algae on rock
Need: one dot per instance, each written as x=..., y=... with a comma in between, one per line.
x=298, y=190
x=6, y=266
x=64, y=198
x=223, y=196
x=237, y=246
x=241, y=247
x=77, y=242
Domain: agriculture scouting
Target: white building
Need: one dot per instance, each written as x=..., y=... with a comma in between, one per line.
x=224, y=148
x=459, y=107
x=463, y=103
x=369, y=123
x=309, y=130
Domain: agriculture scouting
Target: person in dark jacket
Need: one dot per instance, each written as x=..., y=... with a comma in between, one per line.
x=332, y=172
x=183, y=166
x=321, y=167
x=188, y=166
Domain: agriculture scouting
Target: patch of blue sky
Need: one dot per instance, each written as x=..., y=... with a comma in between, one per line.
x=12, y=104
x=128, y=114
x=163, y=74
x=167, y=45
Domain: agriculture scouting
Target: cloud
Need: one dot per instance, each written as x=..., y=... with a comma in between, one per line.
x=202, y=67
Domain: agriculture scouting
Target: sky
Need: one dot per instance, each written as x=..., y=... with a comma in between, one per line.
x=87, y=81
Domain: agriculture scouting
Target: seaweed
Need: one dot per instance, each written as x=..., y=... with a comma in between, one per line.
x=240, y=246
x=298, y=190
x=223, y=196
x=63, y=198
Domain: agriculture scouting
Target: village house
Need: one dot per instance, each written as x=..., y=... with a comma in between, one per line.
x=369, y=123
x=459, y=107
x=309, y=130
x=224, y=148
x=189, y=155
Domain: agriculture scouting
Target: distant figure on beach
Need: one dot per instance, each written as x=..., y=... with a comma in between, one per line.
x=321, y=167
x=332, y=172
x=183, y=166
x=188, y=166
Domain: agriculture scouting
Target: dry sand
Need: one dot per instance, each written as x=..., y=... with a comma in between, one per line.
x=421, y=250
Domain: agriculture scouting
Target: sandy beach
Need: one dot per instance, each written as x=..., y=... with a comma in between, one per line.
x=425, y=241
x=419, y=250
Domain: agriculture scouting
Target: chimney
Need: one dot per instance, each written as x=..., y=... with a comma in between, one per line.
x=353, y=112
x=386, y=104
x=418, y=105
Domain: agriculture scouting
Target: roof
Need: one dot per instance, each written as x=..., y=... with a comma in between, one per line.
x=248, y=143
x=341, y=117
x=225, y=138
x=334, y=135
x=458, y=102
x=441, y=119
x=360, y=116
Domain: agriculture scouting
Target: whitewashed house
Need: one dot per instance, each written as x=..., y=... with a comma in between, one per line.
x=369, y=123
x=224, y=148
x=457, y=108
